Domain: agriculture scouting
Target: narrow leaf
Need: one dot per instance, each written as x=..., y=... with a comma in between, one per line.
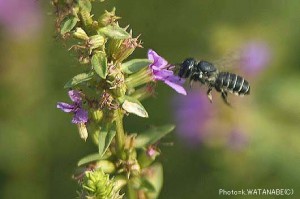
x=152, y=135
x=135, y=65
x=108, y=139
x=68, y=24
x=101, y=141
x=99, y=63
x=114, y=32
x=132, y=105
x=83, y=77
x=105, y=138
x=89, y=158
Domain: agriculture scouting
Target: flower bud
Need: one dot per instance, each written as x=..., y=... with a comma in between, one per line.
x=108, y=18
x=106, y=166
x=147, y=157
x=97, y=183
x=120, y=49
x=96, y=41
x=79, y=33
x=117, y=81
x=120, y=91
x=113, y=46
x=86, y=17
x=83, y=133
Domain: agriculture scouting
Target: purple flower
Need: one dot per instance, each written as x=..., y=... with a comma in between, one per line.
x=80, y=115
x=192, y=112
x=160, y=71
x=152, y=151
x=255, y=56
x=22, y=18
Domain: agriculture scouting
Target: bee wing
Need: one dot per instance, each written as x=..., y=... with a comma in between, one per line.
x=231, y=61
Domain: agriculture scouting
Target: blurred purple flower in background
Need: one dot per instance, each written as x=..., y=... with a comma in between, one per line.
x=195, y=116
x=80, y=115
x=160, y=71
x=21, y=18
x=256, y=55
x=237, y=140
x=191, y=114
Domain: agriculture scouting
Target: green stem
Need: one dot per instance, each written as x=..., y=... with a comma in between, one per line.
x=120, y=135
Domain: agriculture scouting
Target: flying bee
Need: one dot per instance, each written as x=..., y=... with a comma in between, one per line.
x=207, y=74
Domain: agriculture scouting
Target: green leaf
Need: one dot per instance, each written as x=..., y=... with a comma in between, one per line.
x=155, y=179
x=132, y=105
x=99, y=63
x=83, y=77
x=85, y=5
x=105, y=138
x=114, y=32
x=90, y=158
x=68, y=24
x=152, y=135
x=135, y=65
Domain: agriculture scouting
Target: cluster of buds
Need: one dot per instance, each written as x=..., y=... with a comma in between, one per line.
x=103, y=94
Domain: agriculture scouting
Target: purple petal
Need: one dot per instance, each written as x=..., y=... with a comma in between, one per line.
x=175, y=79
x=151, y=152
x=162, y=74
x=75, y=96
x=177, y=87
x=157, y=60
x=65, y=107
x=81, y=116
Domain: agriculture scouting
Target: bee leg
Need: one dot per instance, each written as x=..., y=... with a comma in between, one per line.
x=224, y=97
x=209, y=95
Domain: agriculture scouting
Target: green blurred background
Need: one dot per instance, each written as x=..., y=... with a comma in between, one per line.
x=39, y=147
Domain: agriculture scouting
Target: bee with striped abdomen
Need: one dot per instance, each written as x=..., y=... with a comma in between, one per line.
x=206, y=73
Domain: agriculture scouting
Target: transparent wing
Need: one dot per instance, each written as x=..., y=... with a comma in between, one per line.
x=231, y=61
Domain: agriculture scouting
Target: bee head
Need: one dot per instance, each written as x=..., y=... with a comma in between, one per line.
x=186, y=67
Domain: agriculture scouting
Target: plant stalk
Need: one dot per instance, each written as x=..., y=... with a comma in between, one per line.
x=120, y=135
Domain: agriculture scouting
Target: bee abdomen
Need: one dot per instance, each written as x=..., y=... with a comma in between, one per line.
x=233, y=83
